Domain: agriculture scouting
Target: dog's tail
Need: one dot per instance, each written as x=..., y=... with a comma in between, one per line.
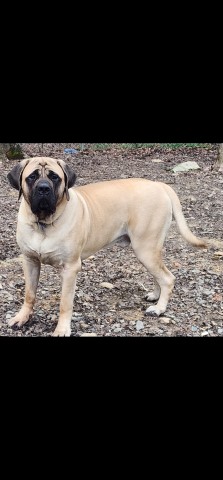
x=181, y=221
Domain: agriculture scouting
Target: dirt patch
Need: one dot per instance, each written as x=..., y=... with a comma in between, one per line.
x=196, y=305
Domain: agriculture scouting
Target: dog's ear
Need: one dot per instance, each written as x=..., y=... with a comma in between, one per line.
x=15, y=176
x=70, y=176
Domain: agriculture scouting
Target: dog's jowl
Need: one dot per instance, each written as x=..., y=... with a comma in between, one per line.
x=61, y=226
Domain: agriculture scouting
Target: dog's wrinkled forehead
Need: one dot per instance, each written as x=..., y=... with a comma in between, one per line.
x=44, y=165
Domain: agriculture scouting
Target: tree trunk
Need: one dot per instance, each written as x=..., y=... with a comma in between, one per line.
x=220, y=157
x=4, y=147
x=220, y=153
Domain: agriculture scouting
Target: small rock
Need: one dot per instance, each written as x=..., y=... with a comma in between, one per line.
x=165, y=320
x=185, y=166
x=117, y=330
x=220, y=330
x=139, y=325
x=206, y=332
x=193, y=328
x=213, y=323
x=192, y=198
x=84, y=325
x=106, y=285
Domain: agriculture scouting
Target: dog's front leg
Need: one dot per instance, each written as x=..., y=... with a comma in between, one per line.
x=69, y=275
x=31, y=269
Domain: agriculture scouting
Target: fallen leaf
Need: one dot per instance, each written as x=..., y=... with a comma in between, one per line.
x=217, y=297
x=177, y=264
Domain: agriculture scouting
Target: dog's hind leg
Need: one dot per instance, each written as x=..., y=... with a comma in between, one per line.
x=151, y=257
x=165, y=279
x=155, y=294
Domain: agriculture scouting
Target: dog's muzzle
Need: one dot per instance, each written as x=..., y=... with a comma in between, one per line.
x=43, y=199
x=43, y=188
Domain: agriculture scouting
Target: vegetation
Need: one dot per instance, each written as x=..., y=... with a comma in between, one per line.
x=144, y=145
x=14, y=152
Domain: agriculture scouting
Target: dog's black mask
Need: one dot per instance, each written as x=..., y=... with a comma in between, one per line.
x=43, y=193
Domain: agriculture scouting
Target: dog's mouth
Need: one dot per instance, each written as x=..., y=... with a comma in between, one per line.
x=43, y=204
x=43, y=209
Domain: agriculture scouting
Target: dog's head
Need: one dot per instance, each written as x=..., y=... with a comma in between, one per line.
x=43, y=181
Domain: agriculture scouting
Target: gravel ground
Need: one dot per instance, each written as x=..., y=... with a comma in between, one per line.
x=110, y=297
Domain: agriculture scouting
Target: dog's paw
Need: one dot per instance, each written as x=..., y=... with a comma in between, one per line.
x=154, y=311
x=62, y=332
x=17, y=321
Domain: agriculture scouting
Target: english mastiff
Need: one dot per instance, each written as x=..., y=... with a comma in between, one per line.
x=61, y=226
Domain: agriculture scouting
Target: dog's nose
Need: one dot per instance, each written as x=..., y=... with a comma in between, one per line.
x=43, y=188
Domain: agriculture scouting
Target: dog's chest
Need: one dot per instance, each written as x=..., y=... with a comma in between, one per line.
x=48, y=248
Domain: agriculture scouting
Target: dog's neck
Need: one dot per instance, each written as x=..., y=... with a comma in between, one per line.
x=43, y=225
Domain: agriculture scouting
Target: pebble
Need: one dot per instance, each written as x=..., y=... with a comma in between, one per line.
x=84, y=325
x=165, y=320
x=139, y=325
x=206, y=332
x=106, y=285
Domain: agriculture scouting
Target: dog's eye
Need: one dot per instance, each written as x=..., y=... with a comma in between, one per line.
x=53, y=176
x=32, y=177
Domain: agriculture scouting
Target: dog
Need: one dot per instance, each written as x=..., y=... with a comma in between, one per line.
x=61, y=226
